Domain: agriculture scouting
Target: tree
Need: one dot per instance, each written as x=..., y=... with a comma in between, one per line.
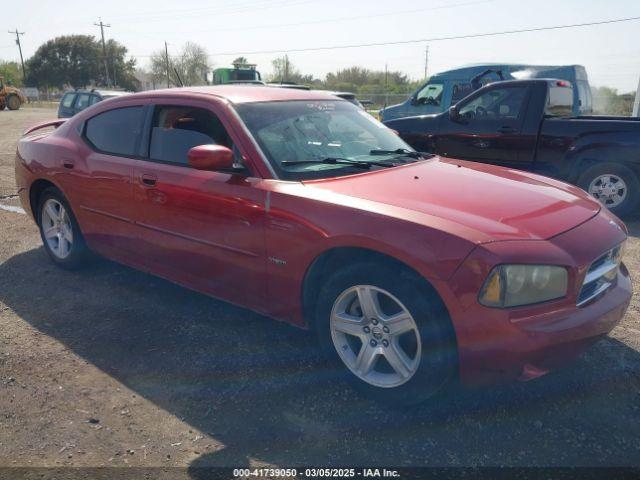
x=192, y=65
x=285, y=71
x=12, y=72
x=240, y=61
x=121, y=70
x=363, y=80
x=67, y=60
x=607, y=101
x=76, y=60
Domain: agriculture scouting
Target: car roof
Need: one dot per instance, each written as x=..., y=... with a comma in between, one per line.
x=104, y=93
x=242, y=93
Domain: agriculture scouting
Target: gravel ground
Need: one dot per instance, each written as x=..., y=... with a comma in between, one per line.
x=113, y=367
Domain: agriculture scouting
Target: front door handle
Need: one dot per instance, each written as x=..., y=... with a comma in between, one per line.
x=148, y=180
x=507, y=130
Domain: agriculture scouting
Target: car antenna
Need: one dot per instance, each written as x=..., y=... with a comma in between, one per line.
x=178, y=76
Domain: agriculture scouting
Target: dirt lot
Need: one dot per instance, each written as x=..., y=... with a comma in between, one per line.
x=112, y=367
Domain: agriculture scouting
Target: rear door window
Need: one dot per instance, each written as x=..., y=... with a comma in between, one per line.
x=116, y=131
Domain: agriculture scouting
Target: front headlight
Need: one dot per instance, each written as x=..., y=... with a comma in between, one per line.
x=517, y=285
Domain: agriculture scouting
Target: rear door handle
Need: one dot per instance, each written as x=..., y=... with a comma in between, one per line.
x=507, y=130
x=148, y=179
x=68, y=164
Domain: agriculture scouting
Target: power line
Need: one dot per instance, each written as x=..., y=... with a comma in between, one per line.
x=189, y=13
x=320, y=22
x=425, y=40
x=17, y=33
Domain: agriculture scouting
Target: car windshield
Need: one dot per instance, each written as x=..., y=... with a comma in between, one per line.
x=297, y=136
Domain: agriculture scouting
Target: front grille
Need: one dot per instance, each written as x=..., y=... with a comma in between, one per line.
x=601, y=275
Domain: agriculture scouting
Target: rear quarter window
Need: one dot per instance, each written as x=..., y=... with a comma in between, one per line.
x=116, y=131
x=560, y=102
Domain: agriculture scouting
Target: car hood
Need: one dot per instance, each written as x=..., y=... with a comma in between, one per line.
x=478, y=202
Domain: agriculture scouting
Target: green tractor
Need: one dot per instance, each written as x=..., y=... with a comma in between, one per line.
x=10, y=97
x=240, y=73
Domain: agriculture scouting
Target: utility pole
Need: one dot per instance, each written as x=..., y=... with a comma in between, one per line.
x=386, y=85
x=104, y=49
x=286, y=68
x=426, y=61
x=17, y=33
x=166, y=61
x=636, y=104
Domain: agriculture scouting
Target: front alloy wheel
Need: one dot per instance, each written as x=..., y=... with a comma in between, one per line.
x=386, y=331
x=375, y=336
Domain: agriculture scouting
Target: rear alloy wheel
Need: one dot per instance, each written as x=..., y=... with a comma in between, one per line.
x=59, y=230
x=387, y=332
x=614, y=185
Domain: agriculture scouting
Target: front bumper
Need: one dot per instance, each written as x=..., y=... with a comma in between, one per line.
x=502, y=345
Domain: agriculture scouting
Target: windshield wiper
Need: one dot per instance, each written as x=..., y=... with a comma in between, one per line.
x=339, y=161
x=402, y=152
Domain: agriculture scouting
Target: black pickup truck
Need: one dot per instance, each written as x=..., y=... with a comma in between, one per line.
x=527, y=124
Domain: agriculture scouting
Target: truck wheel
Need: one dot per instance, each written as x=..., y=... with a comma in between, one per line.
x=389, y=338
x=13, y=102
x=614, y=185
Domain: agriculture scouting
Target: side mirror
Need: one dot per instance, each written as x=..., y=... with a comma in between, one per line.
x=414, y=101
x=454, y=114
x=210, y=157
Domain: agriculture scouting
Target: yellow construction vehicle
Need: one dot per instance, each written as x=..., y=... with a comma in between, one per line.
x=10, y=97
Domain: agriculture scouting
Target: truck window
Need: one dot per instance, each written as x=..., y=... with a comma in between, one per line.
x=560, y=102
x=83, y=101
x=584, y=94
x=496, y=104
x=67, y=100
x=460, y=90
x=430, y=94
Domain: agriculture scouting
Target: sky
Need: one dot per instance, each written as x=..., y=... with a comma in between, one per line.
x=228, y=28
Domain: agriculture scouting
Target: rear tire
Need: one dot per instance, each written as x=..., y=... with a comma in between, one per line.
x=394, y=357
x=13, y=102
x=60, y=232
x=616, y=186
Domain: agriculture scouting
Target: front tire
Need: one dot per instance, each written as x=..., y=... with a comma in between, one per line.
x=616, y=186
x=59, y=231
x=391, y=338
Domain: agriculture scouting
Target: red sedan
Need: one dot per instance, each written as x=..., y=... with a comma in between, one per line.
x=413, y=270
